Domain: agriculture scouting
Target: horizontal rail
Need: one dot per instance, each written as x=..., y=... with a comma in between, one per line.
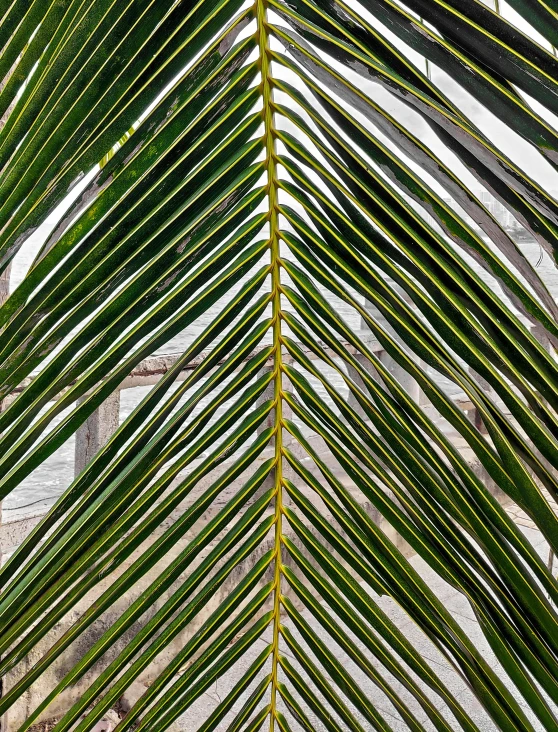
x=98, y=428
x=151, y=369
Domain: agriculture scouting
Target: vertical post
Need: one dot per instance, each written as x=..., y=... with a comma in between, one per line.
x=5, y=284
x=96, y=431
x=403, y=377
x=355, y=376
x=487, y=389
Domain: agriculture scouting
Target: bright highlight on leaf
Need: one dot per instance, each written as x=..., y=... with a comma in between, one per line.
x=308, y=521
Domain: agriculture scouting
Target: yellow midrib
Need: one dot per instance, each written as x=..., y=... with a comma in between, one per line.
x=274, y=240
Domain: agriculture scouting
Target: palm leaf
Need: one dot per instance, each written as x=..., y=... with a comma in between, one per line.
x=285, y=514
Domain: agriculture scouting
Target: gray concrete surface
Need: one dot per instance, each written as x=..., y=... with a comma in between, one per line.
x=461, y=611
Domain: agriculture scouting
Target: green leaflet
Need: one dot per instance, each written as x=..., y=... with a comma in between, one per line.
x=496, y=42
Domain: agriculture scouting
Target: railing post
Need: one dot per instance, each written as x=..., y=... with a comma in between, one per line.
x=487, y=389
x=96, y=431
x=403, y=377
x=368, y=366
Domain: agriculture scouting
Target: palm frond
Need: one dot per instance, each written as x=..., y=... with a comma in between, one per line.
x=288, y=189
